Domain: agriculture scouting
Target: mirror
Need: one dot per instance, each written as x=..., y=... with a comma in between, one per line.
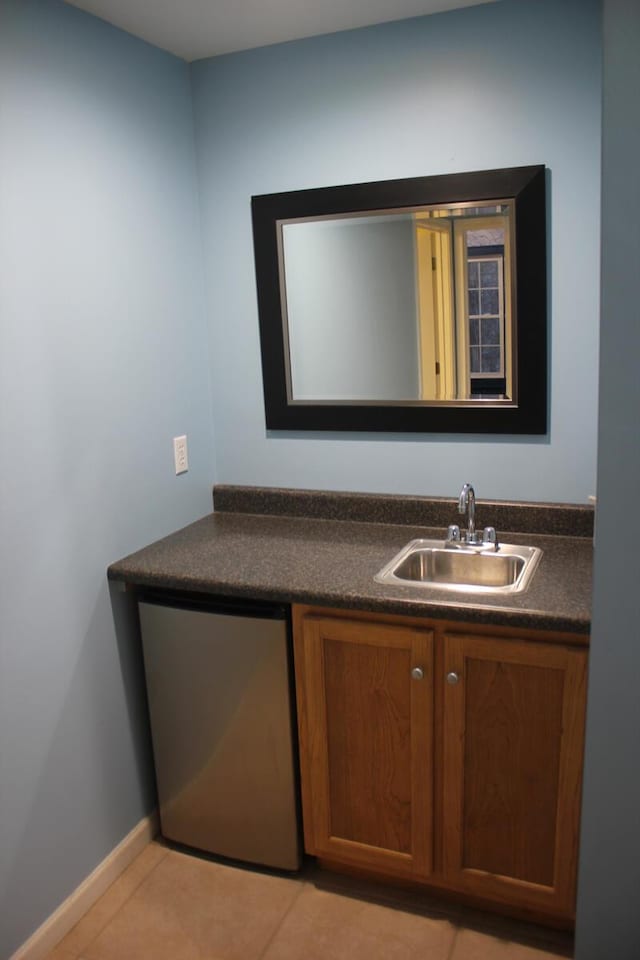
x=414, y=305
x=416, y=301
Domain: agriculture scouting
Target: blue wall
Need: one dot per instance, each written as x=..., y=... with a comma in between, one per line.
x=102, y=362
x=608, y=915
x=504, y=84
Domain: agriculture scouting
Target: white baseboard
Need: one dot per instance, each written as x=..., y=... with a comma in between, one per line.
x=91, y=889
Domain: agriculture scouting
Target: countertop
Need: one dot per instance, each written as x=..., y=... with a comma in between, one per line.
x=332, y=562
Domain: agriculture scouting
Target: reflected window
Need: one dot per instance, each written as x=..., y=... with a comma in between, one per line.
x=486, y=311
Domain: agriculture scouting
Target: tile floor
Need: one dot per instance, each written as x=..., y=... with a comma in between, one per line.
x=171, y=906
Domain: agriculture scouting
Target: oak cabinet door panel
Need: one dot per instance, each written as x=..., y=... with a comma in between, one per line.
x=513, y=745
x=365, y=703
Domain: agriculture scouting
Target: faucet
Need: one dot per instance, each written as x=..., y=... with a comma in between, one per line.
x=467, y=504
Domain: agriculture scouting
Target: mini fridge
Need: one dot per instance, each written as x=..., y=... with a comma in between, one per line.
x=219, y=690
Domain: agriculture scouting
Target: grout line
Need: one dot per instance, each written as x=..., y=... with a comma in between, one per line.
x=284, y=916
x=80, y=955
x=454, y=941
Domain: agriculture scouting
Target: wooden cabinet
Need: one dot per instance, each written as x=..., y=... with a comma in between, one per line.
x=443, y=753
x=366, y=742
x=512, y=748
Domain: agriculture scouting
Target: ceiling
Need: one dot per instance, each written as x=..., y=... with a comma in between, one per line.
x=193, y=29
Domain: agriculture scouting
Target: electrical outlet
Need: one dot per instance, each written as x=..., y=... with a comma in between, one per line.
x=180, y=454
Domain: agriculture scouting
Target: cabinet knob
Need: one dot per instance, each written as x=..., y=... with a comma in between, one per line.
x=417, y=673
x=452, y=677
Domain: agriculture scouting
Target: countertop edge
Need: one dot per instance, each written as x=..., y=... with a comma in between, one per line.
x=325, y=562
x=420, y=607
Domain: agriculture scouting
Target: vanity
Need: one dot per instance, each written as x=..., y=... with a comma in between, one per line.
x=440, y=731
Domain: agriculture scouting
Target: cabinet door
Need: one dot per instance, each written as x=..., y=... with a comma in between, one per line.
x=365, y=708
x=513, y=745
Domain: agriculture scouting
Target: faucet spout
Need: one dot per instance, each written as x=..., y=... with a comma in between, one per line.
x=467, y=504
x=455, y=536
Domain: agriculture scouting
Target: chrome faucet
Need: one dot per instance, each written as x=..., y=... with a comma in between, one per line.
x=467, y=504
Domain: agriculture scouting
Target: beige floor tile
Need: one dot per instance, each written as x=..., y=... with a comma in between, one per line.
x=471, y=945
x=61, y=954
x=328, y=926
x=104, y=909
x=192, y=909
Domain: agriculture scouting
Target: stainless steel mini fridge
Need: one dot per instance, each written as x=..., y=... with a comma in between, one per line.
x=218, y=684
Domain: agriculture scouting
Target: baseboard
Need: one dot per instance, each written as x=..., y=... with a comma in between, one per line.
x=92, y=887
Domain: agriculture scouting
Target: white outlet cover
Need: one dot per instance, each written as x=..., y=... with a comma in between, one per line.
x=180, y=455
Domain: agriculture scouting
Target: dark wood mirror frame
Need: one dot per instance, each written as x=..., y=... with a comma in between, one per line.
x=526, y=186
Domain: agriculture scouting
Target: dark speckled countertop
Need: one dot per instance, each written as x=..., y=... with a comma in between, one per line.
x=261, y=543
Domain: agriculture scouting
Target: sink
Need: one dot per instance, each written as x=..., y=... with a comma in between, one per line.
x=447, y=566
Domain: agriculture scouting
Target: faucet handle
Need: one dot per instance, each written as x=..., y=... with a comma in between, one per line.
x=453, y=533
x=489, y=535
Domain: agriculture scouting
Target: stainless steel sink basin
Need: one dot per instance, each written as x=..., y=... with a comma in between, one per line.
x=445, y=566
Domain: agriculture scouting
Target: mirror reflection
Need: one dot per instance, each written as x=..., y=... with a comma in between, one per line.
x=399, y=306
